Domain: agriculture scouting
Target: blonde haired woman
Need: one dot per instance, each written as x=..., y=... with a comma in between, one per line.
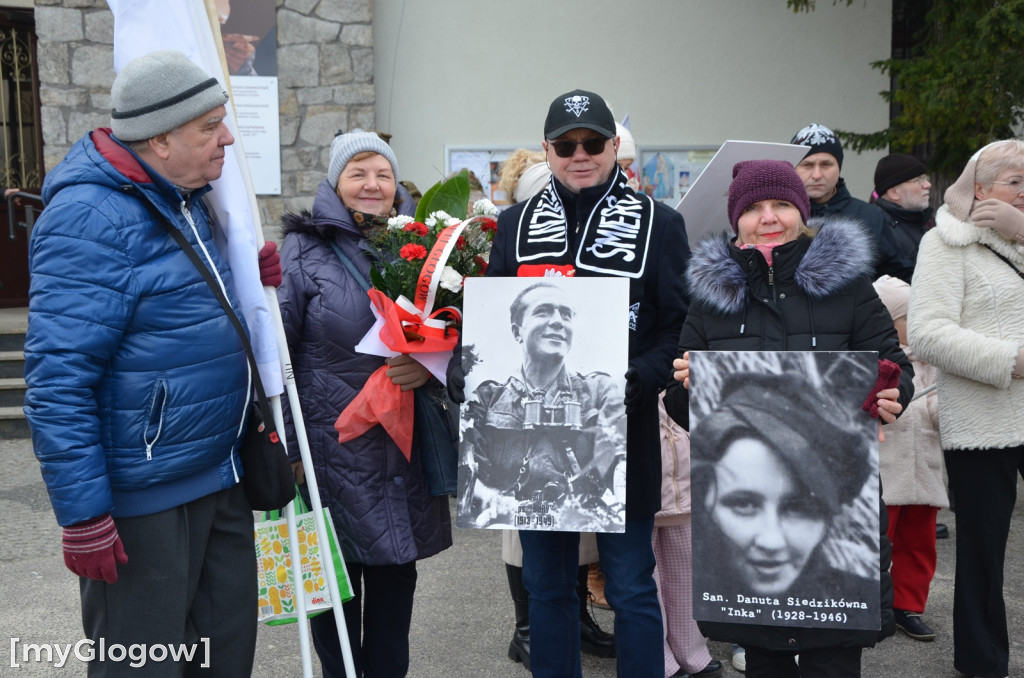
x=967, y=319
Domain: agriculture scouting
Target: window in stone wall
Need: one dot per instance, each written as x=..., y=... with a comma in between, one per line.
x=21, y=157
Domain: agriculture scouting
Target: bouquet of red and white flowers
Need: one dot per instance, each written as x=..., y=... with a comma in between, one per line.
x=417, y=299
x=440, y=251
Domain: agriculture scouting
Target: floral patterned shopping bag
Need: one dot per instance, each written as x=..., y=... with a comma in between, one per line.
x=274, y=566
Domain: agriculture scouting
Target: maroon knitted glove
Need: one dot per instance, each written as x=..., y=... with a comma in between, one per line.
x=92, y=549
x=888, y=377
x=270, y=265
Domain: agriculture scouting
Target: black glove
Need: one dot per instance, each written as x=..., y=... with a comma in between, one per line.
x=456, y=382
x=634, y=391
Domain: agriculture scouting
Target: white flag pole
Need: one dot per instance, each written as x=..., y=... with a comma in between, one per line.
x=297, y=420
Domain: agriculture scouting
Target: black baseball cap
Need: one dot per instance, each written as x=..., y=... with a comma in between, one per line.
x=579, y=108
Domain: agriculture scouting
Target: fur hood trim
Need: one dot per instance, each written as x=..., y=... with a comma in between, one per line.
x=837, y=255
x=299, y=223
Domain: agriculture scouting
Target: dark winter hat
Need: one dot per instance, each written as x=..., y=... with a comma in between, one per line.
x=754, y=180
x=821, y=140
x=346, y=146
x=158, y=92
x=815, y=437
x=894, y=169
x=579, y=108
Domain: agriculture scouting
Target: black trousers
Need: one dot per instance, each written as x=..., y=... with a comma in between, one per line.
x=984, y=483
x=378, y=620
x=830, y=662
x=190, y=576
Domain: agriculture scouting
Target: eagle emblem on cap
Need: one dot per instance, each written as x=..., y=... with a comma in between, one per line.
x=577, y=104
x=815, y=135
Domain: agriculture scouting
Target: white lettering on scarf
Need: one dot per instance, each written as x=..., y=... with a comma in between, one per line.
x=618, y=229
x=547, y=223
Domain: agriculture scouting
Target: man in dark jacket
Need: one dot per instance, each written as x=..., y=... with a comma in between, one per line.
x=138, y=383
x=902, y=188
x=588, y=222
x=829, y=196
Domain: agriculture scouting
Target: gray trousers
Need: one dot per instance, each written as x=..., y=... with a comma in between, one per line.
x=190, y=576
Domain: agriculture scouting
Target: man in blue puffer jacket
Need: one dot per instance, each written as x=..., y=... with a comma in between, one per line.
x=138, y=384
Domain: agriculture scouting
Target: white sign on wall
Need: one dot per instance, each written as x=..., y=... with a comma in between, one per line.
x=257, y=112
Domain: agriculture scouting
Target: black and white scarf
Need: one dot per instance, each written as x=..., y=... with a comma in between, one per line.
x=615, y=237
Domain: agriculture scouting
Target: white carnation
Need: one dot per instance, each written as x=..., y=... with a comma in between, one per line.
x=451, y=279
x=440, y=217
x=400, y=222
x=484, y=208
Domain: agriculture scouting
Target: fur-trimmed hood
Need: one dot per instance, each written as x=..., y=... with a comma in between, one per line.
x=838, y=253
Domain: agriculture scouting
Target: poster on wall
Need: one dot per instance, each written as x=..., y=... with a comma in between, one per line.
x=543, y=428
x=666, y=174
x=485, y=164
x=249, y=33
x=784, y=483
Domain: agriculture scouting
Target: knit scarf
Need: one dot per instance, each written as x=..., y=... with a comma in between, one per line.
x=369, y=223
x=615, y=237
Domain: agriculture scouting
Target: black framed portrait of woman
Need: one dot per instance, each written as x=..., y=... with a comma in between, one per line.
x=784, y=473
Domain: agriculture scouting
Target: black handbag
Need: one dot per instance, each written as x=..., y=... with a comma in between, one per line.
x=267, y=478
x=268, y=482
x=435, y=426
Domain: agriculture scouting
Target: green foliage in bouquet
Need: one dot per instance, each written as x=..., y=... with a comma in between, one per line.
x=450, y=196
x=403, y=246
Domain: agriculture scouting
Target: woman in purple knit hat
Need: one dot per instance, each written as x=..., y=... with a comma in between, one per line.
x=783, y=284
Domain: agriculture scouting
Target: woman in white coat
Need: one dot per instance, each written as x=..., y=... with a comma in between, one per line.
x=967, y=319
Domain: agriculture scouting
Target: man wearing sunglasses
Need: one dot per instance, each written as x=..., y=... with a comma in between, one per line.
x=588, y=222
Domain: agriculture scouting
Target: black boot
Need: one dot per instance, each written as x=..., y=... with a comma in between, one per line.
x=592, y=639
x=519, y=648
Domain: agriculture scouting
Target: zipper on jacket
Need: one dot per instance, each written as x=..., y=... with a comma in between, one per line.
x=187, y=213
x=156, y=418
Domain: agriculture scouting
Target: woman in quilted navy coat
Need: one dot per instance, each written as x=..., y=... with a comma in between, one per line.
x=384, y=514
x=779, y=286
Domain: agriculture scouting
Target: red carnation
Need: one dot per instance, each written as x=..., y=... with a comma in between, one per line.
x=482, y=263
x=489, y=225
x=417, y=228
x=460, y=244
x=413, y=251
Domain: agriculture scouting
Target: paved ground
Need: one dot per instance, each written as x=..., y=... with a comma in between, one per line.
x=463, y=617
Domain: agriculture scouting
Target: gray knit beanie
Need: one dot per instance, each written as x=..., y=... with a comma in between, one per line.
x=346, y=146
x=159, y=92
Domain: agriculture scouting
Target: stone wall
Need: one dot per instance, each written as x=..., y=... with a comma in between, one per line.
x=325, y=83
